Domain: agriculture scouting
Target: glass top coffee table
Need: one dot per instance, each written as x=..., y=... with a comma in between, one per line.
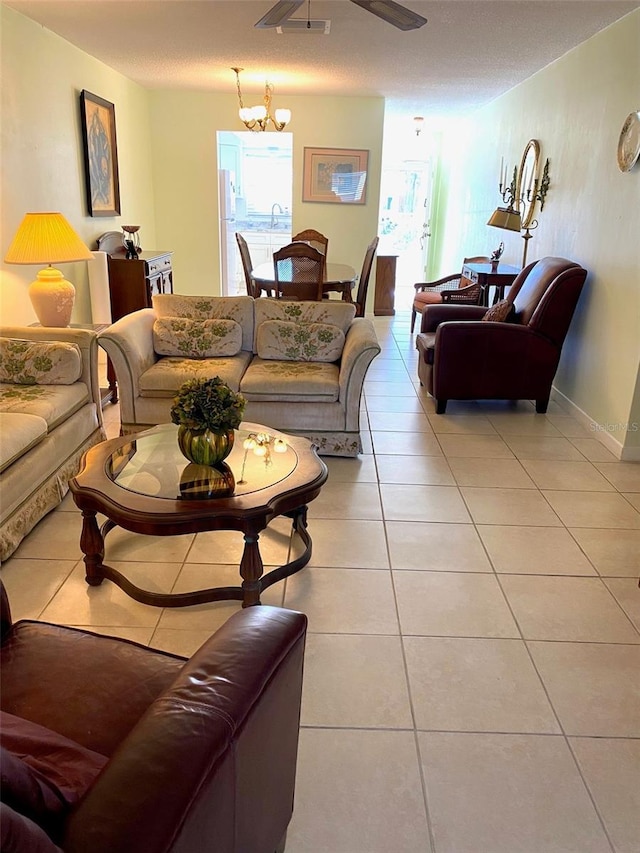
x=144, y=484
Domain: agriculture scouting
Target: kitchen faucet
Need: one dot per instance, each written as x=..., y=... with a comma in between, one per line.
x=274, y=220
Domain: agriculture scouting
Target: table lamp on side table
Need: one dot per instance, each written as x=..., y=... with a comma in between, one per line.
x=47, y=238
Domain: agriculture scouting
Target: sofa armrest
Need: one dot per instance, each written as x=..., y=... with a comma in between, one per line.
x=433, y=315
x=129, y=344
x=214, y=757
x=361, y=347
x=87, y=341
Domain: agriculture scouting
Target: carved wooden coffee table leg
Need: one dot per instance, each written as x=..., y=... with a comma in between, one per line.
x=92, y=545
x=251, y=568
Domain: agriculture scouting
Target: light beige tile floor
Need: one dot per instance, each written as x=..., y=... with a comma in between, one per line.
x=473, y=657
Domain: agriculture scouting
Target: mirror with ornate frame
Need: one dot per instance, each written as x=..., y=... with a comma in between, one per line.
x=527, y=184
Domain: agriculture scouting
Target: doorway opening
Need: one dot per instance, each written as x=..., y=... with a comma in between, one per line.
x=406, y=198
x=255, y=175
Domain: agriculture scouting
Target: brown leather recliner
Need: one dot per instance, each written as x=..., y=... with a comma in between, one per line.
x=200, y=753
x=463, y=358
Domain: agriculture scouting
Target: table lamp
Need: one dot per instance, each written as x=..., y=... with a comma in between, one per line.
x=47, y=238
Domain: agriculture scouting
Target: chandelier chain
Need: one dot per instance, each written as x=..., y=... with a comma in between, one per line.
x=238, y=70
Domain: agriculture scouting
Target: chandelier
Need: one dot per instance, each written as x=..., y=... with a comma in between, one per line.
x=257, y=118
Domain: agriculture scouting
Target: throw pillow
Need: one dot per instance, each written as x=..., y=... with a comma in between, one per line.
x=43, y=772
x=18, y=834
x=329, y=311
x=30, y=794
x=179, y=336
x=39, y=362
x=281, y=340
x=501, y=312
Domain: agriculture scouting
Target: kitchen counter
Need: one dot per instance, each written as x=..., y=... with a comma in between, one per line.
x=254, y=225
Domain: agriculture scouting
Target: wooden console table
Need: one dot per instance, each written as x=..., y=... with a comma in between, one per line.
x=484, y=275
x=385, y=286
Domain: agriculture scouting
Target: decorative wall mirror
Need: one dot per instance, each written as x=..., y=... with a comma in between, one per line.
x=527, y=185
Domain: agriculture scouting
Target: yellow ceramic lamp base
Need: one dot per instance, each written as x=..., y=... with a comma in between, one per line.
x=52, y=297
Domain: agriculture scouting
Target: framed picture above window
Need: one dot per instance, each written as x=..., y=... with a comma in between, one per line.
x=335, y=175
x=100, y=155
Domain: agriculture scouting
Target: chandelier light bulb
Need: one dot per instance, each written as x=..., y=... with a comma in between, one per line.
x=257, y=118
x=283, y=116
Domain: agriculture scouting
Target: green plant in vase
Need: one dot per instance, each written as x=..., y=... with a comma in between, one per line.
x=207, y=413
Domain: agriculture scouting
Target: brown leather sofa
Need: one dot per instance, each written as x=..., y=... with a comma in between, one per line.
x=463, y=358
x=196, y=756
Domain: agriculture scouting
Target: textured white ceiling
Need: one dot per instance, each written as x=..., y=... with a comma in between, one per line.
x=468, y=53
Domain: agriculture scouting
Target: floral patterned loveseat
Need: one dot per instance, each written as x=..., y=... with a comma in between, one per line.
x=49, y=415
x=300, y=365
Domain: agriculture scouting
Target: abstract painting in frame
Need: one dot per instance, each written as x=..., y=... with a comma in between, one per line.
x=335, y=175
x=100, y=155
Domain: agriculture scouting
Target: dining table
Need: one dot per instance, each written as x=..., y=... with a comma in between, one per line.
x=338, y=278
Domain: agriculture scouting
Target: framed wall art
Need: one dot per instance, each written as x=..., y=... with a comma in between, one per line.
x=335, y=175
x=100, y=155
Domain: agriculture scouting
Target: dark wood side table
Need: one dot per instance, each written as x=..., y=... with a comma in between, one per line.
x=485, y=275
x=143, y=483
x=385, y=286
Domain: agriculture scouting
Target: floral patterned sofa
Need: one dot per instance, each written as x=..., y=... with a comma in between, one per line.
x=49, y=415
x=300, y=365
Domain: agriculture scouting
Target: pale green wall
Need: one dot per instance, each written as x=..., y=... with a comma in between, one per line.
x=184, y=127
x=575, y=108
x=41, y=155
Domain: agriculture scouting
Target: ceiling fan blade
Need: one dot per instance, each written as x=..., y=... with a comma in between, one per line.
x=278, y=14
x=393, y=13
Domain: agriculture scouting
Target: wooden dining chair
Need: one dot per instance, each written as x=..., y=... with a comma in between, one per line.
x=314, y=238
x=299, y=272
x=363, y=283
x=247, y=266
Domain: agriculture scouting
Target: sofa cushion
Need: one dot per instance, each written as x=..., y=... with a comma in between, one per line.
x=39, y=362
x=19, y=432
x=501, y=312
x=54, y=403
x=196, y=338
x=427, y=297
x=305, y=382
x=164, y=377
x=238, y=308
x=328, y=311
x=283, y=340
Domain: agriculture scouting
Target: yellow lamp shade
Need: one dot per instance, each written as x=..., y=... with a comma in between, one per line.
x=47, y=238
x=507, y=218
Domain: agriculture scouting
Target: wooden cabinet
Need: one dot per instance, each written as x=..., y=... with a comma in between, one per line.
x=385, y=286
x=132, y=283
x=262, y=245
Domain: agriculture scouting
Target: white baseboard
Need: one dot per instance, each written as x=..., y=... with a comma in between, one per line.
x=605, y=436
